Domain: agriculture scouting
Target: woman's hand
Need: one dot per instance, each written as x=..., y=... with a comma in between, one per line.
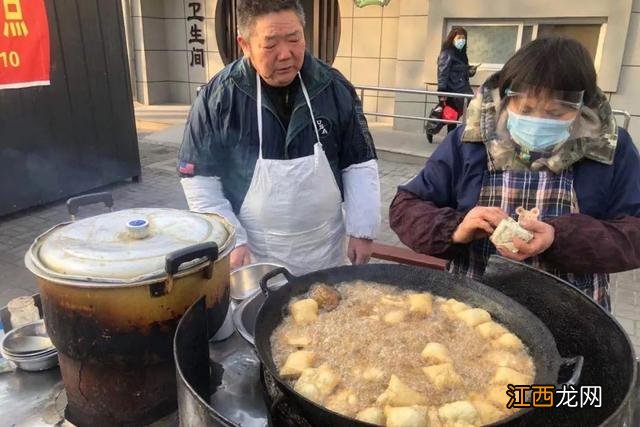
x=478, y=224
x=543, y=237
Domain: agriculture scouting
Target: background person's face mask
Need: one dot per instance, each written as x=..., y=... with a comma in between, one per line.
x=537, y=134
x=459, y=43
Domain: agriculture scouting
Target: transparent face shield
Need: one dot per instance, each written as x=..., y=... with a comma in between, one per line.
x=544, y=103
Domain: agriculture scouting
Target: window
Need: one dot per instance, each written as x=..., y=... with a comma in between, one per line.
x=491, y=43
x=588, y=34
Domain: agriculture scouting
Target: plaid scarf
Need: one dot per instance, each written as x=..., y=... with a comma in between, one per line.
x=553, y=194
x=594, y=135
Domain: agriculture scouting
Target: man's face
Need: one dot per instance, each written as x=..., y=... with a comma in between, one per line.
x=275, y=47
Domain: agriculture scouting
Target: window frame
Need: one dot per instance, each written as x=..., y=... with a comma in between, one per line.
x=534, y=22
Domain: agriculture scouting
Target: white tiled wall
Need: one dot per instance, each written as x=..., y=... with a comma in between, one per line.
x=162, y=52
x=379, y=46
x=367, y=51
x=628, y=95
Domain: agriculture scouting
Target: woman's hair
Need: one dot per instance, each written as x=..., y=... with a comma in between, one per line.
x=455, y=31
x=556, y=63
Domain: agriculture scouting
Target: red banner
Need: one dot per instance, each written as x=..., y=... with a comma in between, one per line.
x=24, y=44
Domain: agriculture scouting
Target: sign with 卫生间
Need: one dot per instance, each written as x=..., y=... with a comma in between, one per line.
x=363, y=3
x=24, y=44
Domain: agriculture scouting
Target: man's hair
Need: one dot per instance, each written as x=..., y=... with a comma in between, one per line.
x=249, y=10
x=556, y=63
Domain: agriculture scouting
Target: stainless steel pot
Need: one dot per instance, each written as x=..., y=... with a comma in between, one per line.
x=245, y=280
x=113, y=288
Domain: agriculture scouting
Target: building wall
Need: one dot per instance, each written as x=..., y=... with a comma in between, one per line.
x=627, y=95
x=162, y=52
x=367, y=52
x=384, y=46
x=392, y=46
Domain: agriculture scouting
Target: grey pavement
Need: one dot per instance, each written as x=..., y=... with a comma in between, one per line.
x=160, y=187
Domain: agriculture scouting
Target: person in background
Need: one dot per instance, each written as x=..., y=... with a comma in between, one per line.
x=276, y=142
x=539, y=134
x=454, y=70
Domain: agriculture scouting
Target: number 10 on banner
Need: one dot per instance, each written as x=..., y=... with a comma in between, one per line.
x=9, y=59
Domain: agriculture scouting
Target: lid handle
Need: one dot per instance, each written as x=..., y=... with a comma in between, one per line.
x=138, y=229
x=74, y=203
x=175, y=259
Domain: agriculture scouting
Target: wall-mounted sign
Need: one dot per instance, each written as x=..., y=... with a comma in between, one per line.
x=196, y=37
x=24, y=44
x=363, y=3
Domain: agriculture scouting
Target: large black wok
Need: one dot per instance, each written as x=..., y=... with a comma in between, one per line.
x=503, y=309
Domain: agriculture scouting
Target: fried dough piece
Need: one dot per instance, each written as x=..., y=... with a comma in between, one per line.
x=407, y=416
x=442, y=375
x=506, y=376
x=491, y=330
x=508, y=341
x=435, y=353
x=327, y=297
x=372, y=415
x=304, y=311
x=474, y=316
x=297, y=362
x=420, y=304
x=394, y=317
x=317, y=383
x=343, y=401
x=459, y=413
x=400, y=394
x=488, y=413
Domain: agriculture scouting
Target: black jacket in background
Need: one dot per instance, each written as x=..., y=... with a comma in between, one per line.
x=453, y=72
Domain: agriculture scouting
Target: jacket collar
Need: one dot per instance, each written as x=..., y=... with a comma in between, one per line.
x=315, y=76
x=595, y=137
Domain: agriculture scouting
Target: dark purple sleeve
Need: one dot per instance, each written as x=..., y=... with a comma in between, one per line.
x=423, y=226
x=584, y=244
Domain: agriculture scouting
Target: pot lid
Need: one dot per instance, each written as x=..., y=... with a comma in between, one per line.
x=125, y=246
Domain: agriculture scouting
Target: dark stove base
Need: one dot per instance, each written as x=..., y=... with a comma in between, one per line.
x=79, y=419
x=282, y=411
x=117, y=395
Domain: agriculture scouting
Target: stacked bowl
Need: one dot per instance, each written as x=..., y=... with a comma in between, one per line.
x=29, y=347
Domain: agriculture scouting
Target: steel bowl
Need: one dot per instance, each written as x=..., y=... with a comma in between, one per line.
x=37, y=363
x=245, y=280
x=15, y=340
x=37, y=359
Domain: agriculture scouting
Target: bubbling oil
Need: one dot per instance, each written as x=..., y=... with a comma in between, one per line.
x=353, y=338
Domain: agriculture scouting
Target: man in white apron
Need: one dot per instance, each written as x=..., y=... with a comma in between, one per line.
x=278, y=144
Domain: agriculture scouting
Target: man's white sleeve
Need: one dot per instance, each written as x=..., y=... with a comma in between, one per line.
x=361, y=186
x=204, y=194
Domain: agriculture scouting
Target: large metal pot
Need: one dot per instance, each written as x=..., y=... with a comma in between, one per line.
x=514, y=316
x=113, y=288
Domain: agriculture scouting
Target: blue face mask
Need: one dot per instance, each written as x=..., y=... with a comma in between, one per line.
x=459, y=43
x=537, y=134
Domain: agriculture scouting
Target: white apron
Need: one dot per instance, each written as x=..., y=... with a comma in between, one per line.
x=292, y=211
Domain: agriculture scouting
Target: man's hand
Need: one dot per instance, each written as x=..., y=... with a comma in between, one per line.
x=478, y=224
x=239, y=256
x=543, y=237
x=359, y=250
